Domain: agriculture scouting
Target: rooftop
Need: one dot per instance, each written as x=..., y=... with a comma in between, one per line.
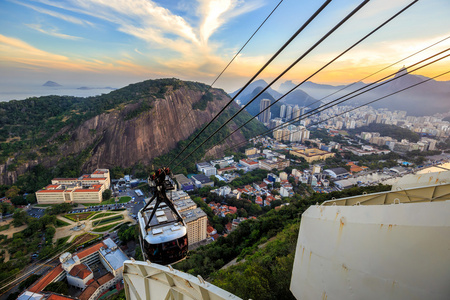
x=45, y=280
x=59, y=297
x=81, y=271
x=182, y=179
x=338, y=171
x=27, y=295
x=193, y=214
x=113, y=254
x=202, y=178
x=90, y=250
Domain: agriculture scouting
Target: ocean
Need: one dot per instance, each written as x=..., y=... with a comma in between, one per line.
x=15, y=92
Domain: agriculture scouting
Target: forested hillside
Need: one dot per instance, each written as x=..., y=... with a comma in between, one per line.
x=131, y=127
x=264, y=249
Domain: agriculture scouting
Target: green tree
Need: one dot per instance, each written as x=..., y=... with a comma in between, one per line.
x=12, y=192
x=106, y=195
x=27, y=282
x=20, y=217
x=60, y=287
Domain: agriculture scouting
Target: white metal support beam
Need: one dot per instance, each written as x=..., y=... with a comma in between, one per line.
x=145, y=280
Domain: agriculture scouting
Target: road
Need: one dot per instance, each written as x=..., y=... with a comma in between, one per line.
x=39, y=267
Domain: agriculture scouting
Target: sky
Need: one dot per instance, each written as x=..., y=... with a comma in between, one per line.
x=116, y=42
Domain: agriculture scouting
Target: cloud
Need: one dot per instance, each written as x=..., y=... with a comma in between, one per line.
x=15, y=52
x=177, y=44
x=53, y=32
x=215, y=13
x=163, y=29
x=61, y=16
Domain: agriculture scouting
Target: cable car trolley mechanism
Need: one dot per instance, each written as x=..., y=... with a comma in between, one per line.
x=163, y=233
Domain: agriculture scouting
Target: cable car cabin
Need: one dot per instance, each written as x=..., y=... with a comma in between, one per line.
x=165, y=240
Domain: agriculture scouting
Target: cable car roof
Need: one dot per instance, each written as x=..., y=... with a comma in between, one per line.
x=164, y=226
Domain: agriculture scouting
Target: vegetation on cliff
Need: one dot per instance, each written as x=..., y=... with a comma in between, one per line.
x=46, y=130
x=27, y=125
x=260, y=266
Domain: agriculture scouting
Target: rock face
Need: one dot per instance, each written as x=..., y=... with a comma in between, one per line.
x=144, y=126
x=155, y=132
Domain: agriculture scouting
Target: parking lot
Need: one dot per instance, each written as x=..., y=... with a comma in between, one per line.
x=134, y=205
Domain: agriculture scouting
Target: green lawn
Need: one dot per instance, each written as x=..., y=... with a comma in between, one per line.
x=101, y=215
x=105, y=228
x=60, y=223
x=62, y=241
x=107, y=220
x=4, y=227
x=123, y=199
x=82, y=216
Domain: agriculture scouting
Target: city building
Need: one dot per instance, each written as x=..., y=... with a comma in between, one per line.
x=251, y=151
x=196, y=221
x=86, y=189
x=183, y=205
x=264, y=117
x=178, y=195
x=337, y=173
x=283, y=111
x=222, y=191
x=311, y=154
x=77, y=270
x=206, y=168
x=296, y=113
x=288, y=112
x=202, y=181
x=365, y=150
x=274, y=163
x=249, y=164
x=316, y=169
x=227, y=169
x=184, y=183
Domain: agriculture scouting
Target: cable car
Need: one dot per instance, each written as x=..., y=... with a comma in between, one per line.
x=163, y=233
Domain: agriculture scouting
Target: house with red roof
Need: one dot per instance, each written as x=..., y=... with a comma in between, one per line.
x=77, y=269
x=249, y=164
x=259, y=200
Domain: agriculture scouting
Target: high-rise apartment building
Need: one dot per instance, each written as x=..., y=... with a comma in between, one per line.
x=264, y=117
x=288, y=112
x=296, y=113
x=283, y=111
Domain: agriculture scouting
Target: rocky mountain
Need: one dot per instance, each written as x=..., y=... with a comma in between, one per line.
x=129, y=126
x=319, y=91
x=286, y=86
x=252, y=86
x=51, y=84
x=436, y=94
x=300, y=98
x=254, y=108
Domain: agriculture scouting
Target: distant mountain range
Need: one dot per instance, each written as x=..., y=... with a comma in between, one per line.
x=55, y=84
x=261, y=83
x=297, y=97
x=436, y=95
x=51, y=84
